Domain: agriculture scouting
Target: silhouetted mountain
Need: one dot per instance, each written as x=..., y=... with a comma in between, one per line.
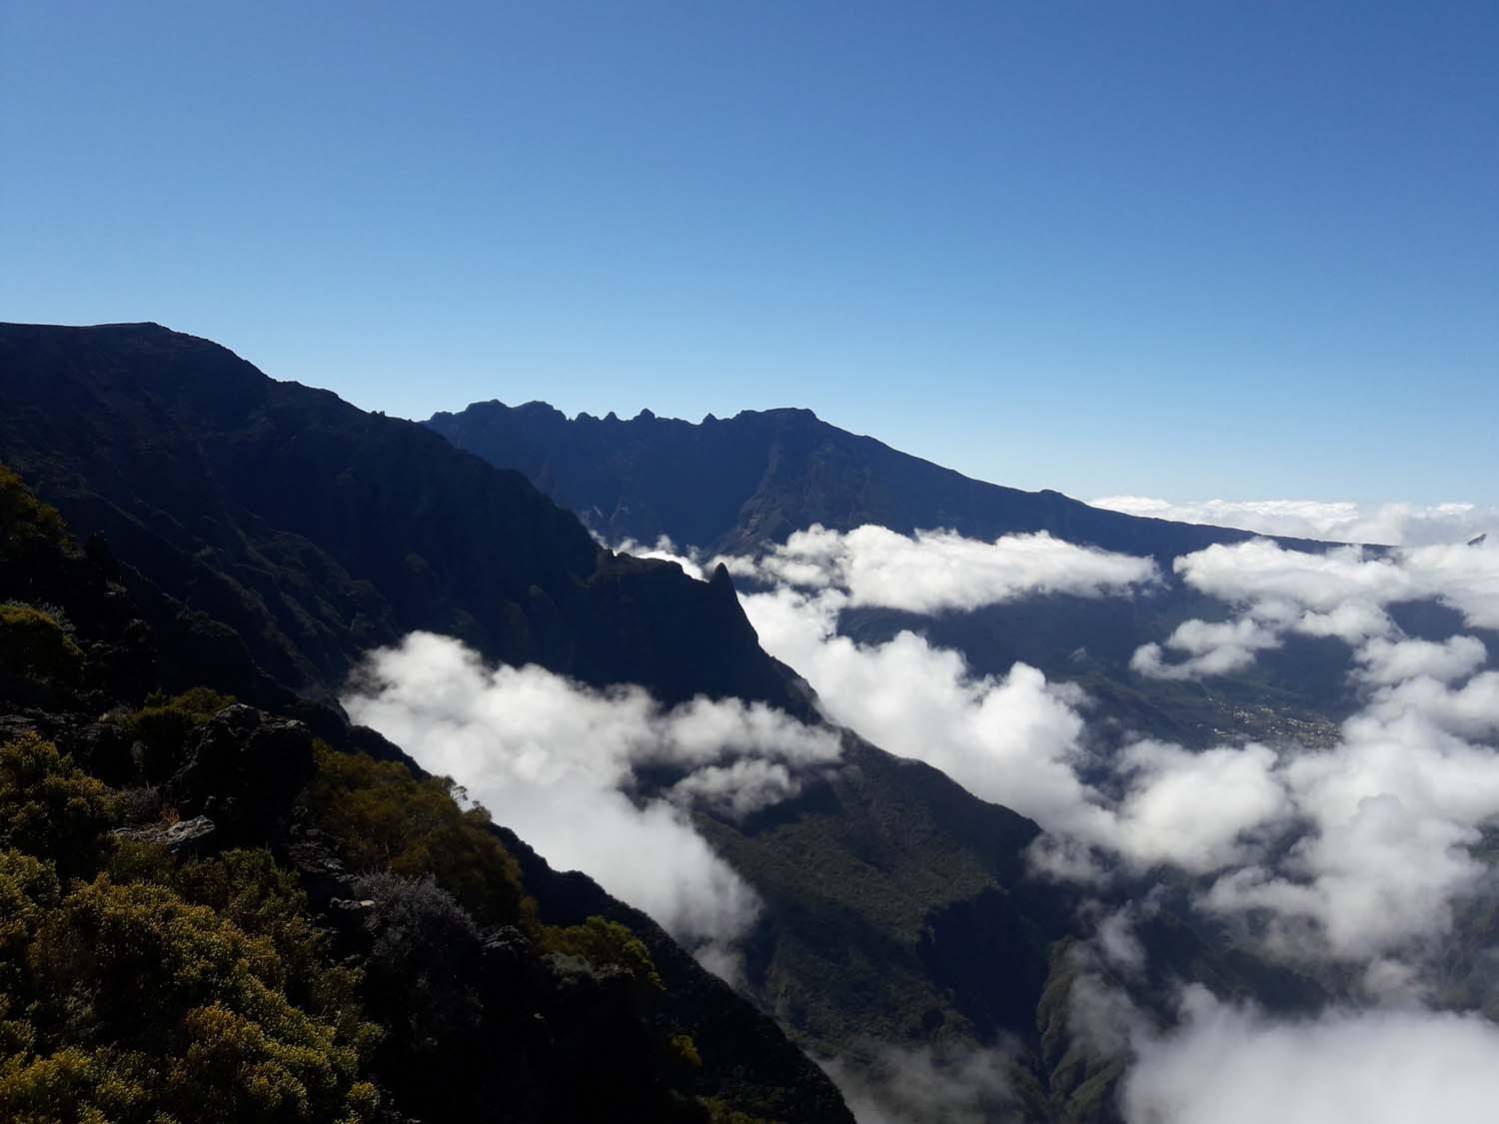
x=316, y=530
x=728, y=485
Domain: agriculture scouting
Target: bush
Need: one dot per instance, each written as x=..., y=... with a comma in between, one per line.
x=51, y=808
x=423, y=954
x=384, y=819
x=608, y=946
x=163, y=724
x=148, y=975
x=28, y=887
x=248, y=889
x=28, y=527
x=35, y=645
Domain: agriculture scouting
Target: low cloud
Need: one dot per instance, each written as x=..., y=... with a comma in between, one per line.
x=1350, y=859
x=1233, y=1065
x=1390, y=524
x=928, y=572
x=1352, y=852
x=943, y=1084
x=1344, y=592
x=556, y=761
x=1015, y=739
x=1387, y=662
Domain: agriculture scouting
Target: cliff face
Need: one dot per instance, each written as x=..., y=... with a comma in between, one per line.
x=316, y=530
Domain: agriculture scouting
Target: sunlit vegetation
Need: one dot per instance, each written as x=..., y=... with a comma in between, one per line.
x=387, y=820
x=609, y=946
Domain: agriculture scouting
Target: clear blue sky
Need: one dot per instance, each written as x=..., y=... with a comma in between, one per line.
x=1185, y=249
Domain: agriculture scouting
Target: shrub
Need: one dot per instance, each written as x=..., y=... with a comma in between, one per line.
x=148, y=975
x=383, y=818
x=608, y=946
x=163, y=724
x=51, y=808
x=34, y=644
x=27, y=526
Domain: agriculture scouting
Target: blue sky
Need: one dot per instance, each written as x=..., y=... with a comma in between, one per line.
x=1190, y=250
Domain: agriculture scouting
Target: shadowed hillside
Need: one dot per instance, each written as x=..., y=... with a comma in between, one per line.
x=731, y=484
x=316, y=530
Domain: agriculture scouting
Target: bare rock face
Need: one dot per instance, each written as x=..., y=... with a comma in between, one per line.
x=185, y=837
x=244, y=770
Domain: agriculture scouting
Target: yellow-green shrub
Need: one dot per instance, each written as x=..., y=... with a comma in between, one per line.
x=605, y=945
x=34, y=644
x=383, y=818
x=51, y=808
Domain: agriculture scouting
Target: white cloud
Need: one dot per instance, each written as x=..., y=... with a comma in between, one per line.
x=664, y=550
x=1352, y=852
x=1197, y=811
x=942, y=1084
x=1389, y=815
x=1344, y=592
x=1391, y=524
x=553, y=760
x=1019, y=740
x=1387, y=662
x=1013, y=740
x=934, y=571
x=1213, y=648
x=1231, y=1065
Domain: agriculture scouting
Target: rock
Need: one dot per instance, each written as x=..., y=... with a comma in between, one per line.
x=183, y=837
x=245, y=769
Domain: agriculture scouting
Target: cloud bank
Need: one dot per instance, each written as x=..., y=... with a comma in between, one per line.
x=1231, y=1065
x=935, y=571
x=555, y=761
x=1350, y=859
x=1389, y=524
x=1345, y=592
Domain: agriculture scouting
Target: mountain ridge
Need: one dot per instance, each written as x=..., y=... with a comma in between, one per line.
x=754, y=496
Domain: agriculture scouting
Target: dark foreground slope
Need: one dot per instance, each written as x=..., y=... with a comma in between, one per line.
x=212, y=913
x=733, y=484
x=316, y=530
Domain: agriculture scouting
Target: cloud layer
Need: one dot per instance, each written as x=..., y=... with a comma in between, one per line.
x=1390, y=524
x=1231, y=1065
x=934, y=571
x=556, y=761
x=1345, y=592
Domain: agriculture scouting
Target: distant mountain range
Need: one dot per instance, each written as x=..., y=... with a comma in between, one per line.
x=728, y=485
x=742, y=483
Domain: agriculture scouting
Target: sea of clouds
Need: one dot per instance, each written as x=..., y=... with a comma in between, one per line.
x=1387, y=524
x=1353, y=857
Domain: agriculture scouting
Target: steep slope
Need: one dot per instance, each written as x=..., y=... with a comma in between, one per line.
x=401, y=957
x=730, y=484
x=316, y=530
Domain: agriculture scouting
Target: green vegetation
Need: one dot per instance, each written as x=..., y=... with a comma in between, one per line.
x=50, y=808
x=132, y=1001
x=34, y=644
x=385, y=819
x=398, y=968
x=609, y=946
x=28, y=528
